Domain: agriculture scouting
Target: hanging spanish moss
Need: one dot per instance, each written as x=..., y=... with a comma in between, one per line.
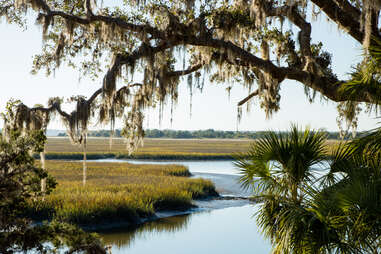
x=109, y=113
x=133, y=130
x=348, y=117
x=228, y=41
x=70, y=26
x=109, y=85
x=60, y=49
x=258, y=12
x=239, y=115
x=35, y=4
x=369, y=8
x=77, y=125
x=190, y=87
x=77, y=122
x=27, y=120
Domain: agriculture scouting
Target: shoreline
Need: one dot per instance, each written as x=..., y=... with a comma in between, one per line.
x=118, y=224
x=206, y=203
x=116, y=192
x=134, y=222
x=224, y=194
x=113, y=225
x=224, y=197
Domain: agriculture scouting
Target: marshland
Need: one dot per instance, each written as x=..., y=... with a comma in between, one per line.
x=173, y=193
x=117, y=192
x=200, y=96
x=154, y=149
x=126, y=200
x=128, y=189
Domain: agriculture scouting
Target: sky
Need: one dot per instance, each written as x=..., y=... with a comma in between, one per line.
x=211, y=109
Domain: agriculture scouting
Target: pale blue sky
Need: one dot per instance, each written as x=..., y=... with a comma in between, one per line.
x=211, y=109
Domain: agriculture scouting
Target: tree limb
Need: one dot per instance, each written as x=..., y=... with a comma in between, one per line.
x=349, y=8
x=246, y=99
x=340, y=11
x=155, y=33
x=184, y=72
x=342, y=18
x=292, y=13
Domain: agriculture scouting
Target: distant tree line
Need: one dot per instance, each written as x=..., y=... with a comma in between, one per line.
x=209, y=133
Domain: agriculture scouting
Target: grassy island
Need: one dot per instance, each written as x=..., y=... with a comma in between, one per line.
x=117, y=192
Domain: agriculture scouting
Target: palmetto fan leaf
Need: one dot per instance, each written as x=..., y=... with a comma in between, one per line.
x=371, y=142
x=281, y=162
x=300, y=213
x=279, y=166
x=366, y=79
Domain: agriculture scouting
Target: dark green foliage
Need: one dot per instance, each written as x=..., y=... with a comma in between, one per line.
x=307, y=210
x=20, y=181
x=365, y=77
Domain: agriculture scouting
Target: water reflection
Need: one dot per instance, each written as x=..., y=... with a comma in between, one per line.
x=124, y=237
x=230, y=230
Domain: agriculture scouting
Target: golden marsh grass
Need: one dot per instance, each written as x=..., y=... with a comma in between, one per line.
x=60, y=148
x=117, y=191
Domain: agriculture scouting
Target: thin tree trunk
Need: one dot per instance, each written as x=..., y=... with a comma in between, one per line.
x=43, y=181
x=110, y=140
x=84, y=162
x=112, y=131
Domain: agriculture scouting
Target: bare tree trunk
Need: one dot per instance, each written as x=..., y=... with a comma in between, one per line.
x=112, y=131
x=43, y=181
x=84, y=163
x=110, y=140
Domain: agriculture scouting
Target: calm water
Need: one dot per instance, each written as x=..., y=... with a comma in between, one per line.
x=213, y=167
x=223, y=231
x=220, y=226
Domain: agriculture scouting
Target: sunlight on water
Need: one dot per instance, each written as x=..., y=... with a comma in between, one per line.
x=228, y=226
x=212, y=167
x=230, y=230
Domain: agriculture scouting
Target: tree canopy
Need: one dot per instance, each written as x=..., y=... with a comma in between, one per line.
x=240, y=42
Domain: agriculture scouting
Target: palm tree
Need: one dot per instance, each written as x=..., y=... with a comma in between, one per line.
x=282, y=163
x=303, y=213
x=357, y=191
x=280, y=167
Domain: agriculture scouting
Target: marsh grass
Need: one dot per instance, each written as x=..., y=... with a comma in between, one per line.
x=117, y=192
x=153, y=146
x=156, y=149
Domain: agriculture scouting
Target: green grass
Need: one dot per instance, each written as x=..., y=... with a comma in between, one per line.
x=157, y=149
x=117, y=192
